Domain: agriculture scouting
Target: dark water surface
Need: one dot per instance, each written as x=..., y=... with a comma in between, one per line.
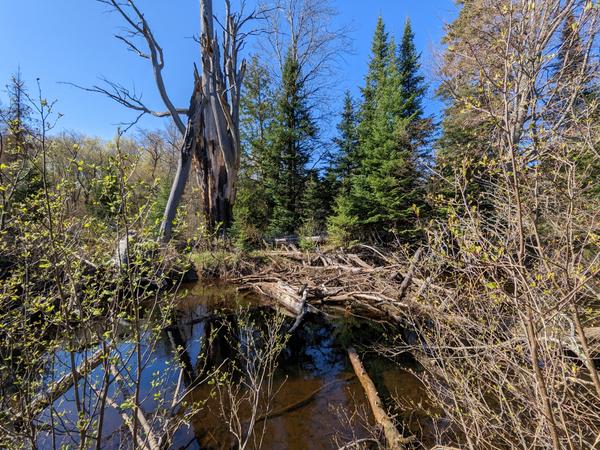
x=314, y=360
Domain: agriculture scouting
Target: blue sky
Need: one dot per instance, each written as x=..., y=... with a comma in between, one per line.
x=73, y=41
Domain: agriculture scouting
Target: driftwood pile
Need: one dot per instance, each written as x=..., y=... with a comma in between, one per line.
x=363, y=282
x=367, y=284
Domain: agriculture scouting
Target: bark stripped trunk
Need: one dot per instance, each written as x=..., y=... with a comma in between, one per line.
x=212, y=135
x=182, y=174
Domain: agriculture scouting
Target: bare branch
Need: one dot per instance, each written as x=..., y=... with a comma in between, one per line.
x=123, y=96
x=140, y=27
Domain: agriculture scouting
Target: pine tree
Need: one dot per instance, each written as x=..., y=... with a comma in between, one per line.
x=293, y=133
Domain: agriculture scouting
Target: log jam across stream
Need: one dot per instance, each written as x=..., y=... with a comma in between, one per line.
x=320, y=404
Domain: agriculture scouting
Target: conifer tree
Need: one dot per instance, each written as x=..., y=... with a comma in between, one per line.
x=571, y=54
x=384, y=193
x=315, y=204
x=293, y=134
x=253, y=207
x=386, y=184
x=580, y=99
x=19, y=174
x=463, y=154
x=571, y=65
x=17, y=115
x=345, y=160
x=376, y=72
x=413, y=83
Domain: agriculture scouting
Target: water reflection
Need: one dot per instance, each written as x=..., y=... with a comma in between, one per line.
x=314, y=375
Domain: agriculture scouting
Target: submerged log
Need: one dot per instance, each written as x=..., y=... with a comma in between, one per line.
x=150, y=442
x=394, y=439
x=304, y=401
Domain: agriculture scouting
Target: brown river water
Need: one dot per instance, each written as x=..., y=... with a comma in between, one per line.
x=314, y=360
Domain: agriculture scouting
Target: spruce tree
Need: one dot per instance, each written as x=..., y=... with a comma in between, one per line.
x=345, y=160
x=384, y=193
x=386, y=184
x=315, y=207
x=253, y=206
x=571, y=54
x=19, y=171
x=463, y=154
x=581, y=100
x=413, y=90
x=413, y=83
x=376, y=72
x=17, y=116
x=293, y=134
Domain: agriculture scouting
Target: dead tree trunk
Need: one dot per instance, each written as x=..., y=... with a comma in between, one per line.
x=212, y=136
x=182, y=174
x=217, y=151
x=394, y=439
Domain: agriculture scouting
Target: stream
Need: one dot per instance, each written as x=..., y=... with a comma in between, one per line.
x=313, y=362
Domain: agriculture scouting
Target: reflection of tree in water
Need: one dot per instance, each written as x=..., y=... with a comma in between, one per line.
x=313, y=348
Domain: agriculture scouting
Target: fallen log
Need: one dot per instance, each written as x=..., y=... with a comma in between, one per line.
x=64, y=383
x=285, y=296
x=151, y=441
x=394, y=439
x=304, y=309
x=139, y=443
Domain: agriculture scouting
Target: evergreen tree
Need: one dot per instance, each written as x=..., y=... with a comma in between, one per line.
x=345, y=160
x=19, y=174
x=571, y=55
x=412, y=82
x=385, y=186
x=581, y=100
x=257, y=113
x=17, y=116
x=376, y=72
x=464, y=156
x=571, y=65
x=253, y=207
x=293, y=134
x=315, y=204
